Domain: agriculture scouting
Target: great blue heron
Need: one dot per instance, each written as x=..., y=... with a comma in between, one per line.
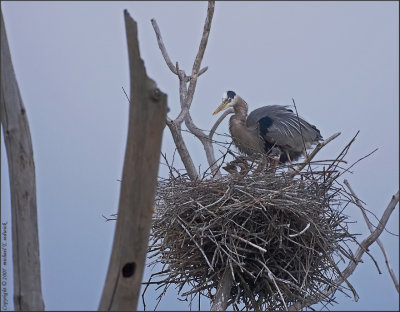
x=273, y=130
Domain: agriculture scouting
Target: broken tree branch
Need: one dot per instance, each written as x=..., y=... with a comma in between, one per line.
x=200, y=52
x=147, y=117
x=315, y=151
x=162, y=47
x=17, y=138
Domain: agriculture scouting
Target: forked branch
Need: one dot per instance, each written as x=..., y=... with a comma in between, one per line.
x=186, y=97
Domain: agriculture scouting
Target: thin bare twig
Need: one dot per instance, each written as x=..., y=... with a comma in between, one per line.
x=162, y=47
x=301, y=232
x=315, y=151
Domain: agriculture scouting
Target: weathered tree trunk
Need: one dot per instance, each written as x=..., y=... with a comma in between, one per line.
x=17, y=137
x=220, y=300
x=147, y=116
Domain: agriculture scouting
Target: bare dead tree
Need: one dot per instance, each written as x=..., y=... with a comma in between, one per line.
x=187, y=87
x=17, y=137
x=147, y=113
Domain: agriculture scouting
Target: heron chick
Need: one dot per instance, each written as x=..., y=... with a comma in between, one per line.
x=268, y=130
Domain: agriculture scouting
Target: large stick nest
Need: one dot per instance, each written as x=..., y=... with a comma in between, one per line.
x=280, y=234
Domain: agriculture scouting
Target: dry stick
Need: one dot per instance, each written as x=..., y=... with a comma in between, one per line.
x=251, y=296
x=348, y=169
x=357, y=258
x=162, y=47
x=182, y=149
x=302, y=231
x=250, y=243
x=314, y=152
x=196, y=243
x=272, y=278
x=17, y=139
x=147, y=114
x=342, y=154
x=371, y=229
x=302, y=137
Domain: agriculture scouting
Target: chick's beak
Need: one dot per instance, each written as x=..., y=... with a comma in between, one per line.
x=224, y=105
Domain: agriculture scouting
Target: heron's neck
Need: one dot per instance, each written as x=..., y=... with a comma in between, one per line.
x=240, y=109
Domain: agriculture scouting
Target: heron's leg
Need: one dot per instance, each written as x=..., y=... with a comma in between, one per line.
x=262, y=164
x=273, y=156
x=273, y=162
x=230, y=168
x=288, y=157
x=244, y=168
x=290, y=167
x=305, y=156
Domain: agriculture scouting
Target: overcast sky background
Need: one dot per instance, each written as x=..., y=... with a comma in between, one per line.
x=338, y=60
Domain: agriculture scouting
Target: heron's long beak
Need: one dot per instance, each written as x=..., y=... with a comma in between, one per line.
x=223, y=106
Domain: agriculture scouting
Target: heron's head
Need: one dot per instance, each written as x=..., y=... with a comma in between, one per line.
x=228, y=100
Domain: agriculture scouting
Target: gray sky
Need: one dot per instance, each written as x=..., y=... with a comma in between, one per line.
x=338, y=60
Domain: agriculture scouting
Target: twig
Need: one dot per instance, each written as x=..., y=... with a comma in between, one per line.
x=352, y=165
x=127, y=97
x=197, y=244
x=297, y=234
x=315, y=151
x=301, y=133
x=250, y=243
x=162, y=47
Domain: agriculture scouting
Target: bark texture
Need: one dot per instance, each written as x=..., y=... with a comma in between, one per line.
x=17, y=138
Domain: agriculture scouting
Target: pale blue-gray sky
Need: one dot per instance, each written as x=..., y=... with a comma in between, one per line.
x=338, y=60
